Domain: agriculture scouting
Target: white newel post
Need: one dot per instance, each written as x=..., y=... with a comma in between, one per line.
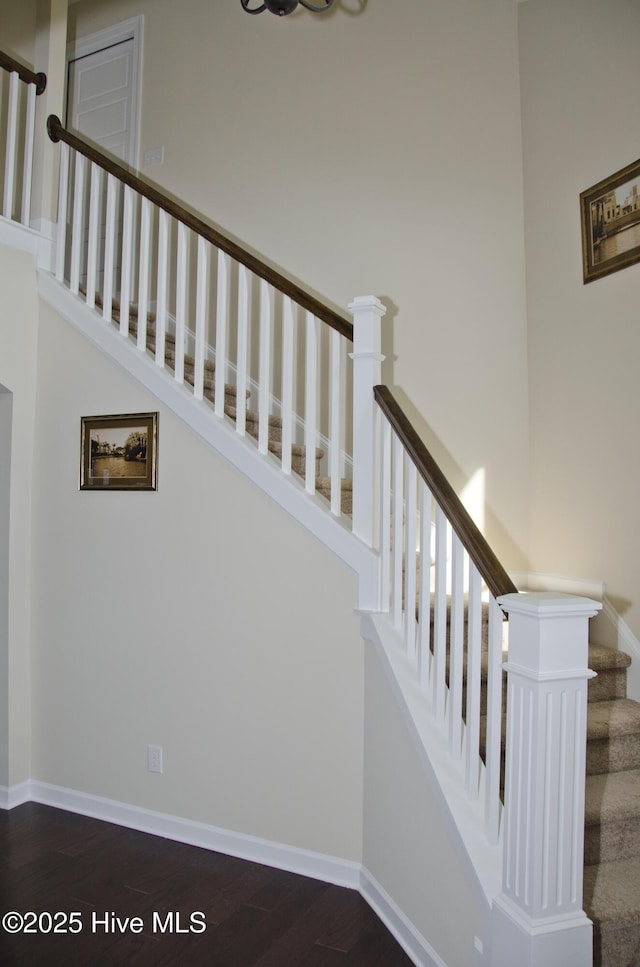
x=538, y=917
x=367, y=359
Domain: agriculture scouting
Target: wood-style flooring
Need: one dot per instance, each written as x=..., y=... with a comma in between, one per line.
x=215, y=910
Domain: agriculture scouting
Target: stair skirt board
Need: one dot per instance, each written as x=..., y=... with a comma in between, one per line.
x=328, y=869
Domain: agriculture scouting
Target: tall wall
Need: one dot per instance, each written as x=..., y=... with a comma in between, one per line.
x=377, y=151
x=580, y=79
x=408, y=845
x=18, y=339
x=200, y=618
x=18, y=30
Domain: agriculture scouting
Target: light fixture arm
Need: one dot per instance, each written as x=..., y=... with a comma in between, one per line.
x=310, y=6
x=284, y=7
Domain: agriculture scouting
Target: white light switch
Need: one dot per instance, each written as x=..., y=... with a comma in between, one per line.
x=153, y=157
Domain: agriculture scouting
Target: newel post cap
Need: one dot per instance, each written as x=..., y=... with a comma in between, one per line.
x=548, y=633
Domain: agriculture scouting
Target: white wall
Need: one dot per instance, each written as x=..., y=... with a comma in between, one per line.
x=18, y=336
x=371, y=153
x=408, y=846
x=200, y=618
x=580, y=80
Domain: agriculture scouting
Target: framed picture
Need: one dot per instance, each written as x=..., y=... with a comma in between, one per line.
x=119, y=452
x=610, y=214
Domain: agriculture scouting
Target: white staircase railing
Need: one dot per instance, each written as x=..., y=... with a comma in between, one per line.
x=265, y=353
x=440, y=581
x=18, y=128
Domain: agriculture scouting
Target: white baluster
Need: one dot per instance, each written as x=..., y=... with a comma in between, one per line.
x=27, y=173
x=474, y=682
x=424, y=601
x=439, y=663
x=493, y=742
x=410, y=583
x=243, y=350
x=94, y=233
x=454, y=704
x=202, y=302
x=127, y=258
x=162, y=296
x=385, y=513
x=113, y=186
x=143, y=286
x=77, y=230
x=12, y=145
x=222, y=314
x=336, y=420
x=311, y=403
x=288, y=377
x=398, y=531
x=181, y=300
x=264, y=387
x=63, y=200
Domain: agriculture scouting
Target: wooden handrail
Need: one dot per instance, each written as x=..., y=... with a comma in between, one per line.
x=26, y=75
x=490, y=568
x=57, y=132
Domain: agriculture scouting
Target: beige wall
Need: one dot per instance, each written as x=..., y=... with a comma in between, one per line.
x=372, y=153
x=18, y=337
x=580, y=81
x=200, y=618
x=18, y=29
x=408, y=846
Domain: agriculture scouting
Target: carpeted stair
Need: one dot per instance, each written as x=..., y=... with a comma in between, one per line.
x=612, y=814
x=298, y=451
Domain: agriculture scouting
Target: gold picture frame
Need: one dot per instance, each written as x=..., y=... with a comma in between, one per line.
x=119, y=452
x=610, y=218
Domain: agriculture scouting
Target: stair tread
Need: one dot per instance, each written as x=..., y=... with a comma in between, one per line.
x=324, y=483
x=602, y=658
x=612, y=797
x=615, y=717
x=612, y=893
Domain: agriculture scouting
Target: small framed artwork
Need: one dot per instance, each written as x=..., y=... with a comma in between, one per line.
x=610, y=215
x=119, y=452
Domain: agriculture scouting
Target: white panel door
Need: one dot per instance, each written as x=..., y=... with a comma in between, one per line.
x=100, y=99
x=102, y=86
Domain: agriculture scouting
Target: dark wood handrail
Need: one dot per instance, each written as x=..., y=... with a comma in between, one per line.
x=59, y=133
x=490, y=568
x=26, y=75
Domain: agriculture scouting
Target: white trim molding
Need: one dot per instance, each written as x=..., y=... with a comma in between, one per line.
x=318, y=866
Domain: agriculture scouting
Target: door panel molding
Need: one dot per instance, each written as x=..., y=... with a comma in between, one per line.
x=110, y=37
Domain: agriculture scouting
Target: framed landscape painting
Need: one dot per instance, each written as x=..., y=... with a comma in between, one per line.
x=610, y=217
x=119, y=452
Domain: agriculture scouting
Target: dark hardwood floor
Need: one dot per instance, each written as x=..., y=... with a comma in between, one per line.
x=215, y=910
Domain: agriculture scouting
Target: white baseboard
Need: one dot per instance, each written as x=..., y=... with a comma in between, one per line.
x=305, y=862
x=12, y=796
x=535, y=581
x=318, y=866
x=413, y=943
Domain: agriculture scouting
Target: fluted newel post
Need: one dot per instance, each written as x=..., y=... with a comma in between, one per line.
x=367, y=367
x=538, y=917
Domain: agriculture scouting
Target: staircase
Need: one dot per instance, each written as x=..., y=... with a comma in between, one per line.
x=445, y=651
x=612, y=813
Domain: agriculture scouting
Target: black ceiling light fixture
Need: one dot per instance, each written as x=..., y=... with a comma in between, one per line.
x=283, y=7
